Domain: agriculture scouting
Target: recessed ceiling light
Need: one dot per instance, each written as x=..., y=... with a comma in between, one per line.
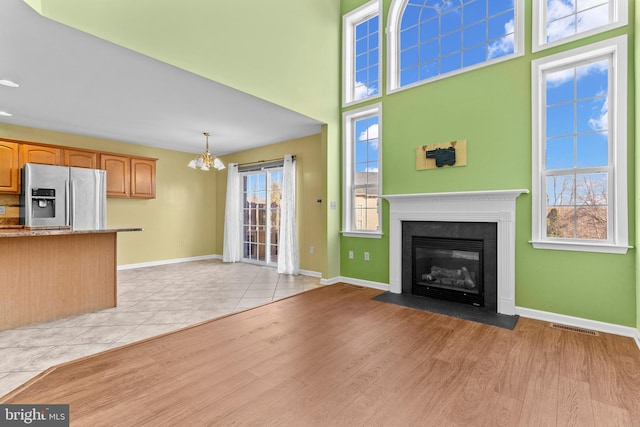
x=4, y=113
x=9, y=83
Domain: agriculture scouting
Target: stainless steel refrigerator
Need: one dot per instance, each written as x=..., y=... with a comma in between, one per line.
x=59, y=196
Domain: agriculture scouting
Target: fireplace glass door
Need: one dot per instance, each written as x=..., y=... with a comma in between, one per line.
x=448, y=268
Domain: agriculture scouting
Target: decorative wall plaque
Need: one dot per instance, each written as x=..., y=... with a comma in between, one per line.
x=443, y=155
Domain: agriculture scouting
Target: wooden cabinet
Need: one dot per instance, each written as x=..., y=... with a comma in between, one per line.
x=118, y=174
x=9, y=168
x=143, y=178
x=40, y=154
x=80, y=158
x=127, y=176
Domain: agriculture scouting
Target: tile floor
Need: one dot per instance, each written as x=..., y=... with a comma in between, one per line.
x=151, y=301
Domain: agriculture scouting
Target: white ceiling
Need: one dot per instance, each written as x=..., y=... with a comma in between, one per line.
x=73, y=82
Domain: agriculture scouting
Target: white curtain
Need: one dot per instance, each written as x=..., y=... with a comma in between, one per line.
x=232, y=250
x=288, y=261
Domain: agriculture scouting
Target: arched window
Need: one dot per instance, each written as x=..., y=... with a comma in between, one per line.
x=430, y=39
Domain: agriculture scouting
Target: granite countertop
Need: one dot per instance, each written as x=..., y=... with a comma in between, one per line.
x=22, y=231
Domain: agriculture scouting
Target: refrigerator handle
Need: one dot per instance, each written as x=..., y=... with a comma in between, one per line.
x=67, y=196
x=102, y=201
x=72, y=186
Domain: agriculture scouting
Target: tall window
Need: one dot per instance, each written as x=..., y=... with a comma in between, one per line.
x=362, y=53
x=430, y=39
x=262, y=194
x=362, y=178
x=580, y=148
x=561, y=21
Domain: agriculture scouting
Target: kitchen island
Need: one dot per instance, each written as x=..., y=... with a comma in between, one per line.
x=49, y=274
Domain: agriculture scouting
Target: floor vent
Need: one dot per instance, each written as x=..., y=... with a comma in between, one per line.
x=574, y=329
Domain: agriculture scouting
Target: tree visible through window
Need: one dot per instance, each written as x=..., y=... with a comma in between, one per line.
x=262, y=195
x=577, y=151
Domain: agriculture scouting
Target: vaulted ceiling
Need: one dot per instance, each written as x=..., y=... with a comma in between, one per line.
x=74, y=82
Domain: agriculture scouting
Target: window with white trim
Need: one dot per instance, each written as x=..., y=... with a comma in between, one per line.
x=561, y=21
x=362, y=53
x=362, y=172
x=432, y=39
x=579, y=149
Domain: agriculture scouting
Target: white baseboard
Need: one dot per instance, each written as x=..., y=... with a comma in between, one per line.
x=310, y=273
x=595, y=325
x=579, y=322
x=359, y=282
x=197, y=258
x=166, y=262
x=546, y=316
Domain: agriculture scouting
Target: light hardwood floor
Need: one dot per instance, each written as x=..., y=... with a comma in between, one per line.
x=332, y=356
x=151, y=301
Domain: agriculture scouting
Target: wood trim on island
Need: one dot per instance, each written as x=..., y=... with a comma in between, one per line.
x=53, y=274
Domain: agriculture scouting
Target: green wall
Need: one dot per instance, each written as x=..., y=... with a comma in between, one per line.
x=491, y=109
x=296, y=44
x=284, y=51
x=637, y=158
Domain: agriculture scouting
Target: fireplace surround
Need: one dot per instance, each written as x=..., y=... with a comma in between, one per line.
x=497, y=207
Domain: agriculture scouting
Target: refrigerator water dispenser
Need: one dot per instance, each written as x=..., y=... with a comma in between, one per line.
x=43, y=203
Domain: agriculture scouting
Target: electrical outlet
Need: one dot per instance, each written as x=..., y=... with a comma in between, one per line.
x=333, y=206
x=3, y=210
x=366, y=256
x=311, y=250
x=350, y=254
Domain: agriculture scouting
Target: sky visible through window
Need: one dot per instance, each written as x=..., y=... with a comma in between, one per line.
x=366, y=67
x=442, y=36
x=366, y=137
x=577, y=151
x=566, y=18
x=366, y=188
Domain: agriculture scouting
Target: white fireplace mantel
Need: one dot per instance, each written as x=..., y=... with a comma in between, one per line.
x=474, y=206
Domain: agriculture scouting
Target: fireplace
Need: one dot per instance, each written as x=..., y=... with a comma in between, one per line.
x=455, y=261
x=495, y=207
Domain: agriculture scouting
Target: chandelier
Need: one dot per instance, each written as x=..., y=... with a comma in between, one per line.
x=206, y=160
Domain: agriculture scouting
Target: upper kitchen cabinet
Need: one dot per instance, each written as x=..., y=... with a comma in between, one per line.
x=129, y=177
x=40, y=154
x=143, y=178
x=81, y=159
x=9, y=168
x=118, y=174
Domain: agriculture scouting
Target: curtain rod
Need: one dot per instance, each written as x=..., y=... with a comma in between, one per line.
x=263, y=161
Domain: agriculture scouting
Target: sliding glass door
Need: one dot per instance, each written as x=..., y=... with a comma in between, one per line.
x=261, y=197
